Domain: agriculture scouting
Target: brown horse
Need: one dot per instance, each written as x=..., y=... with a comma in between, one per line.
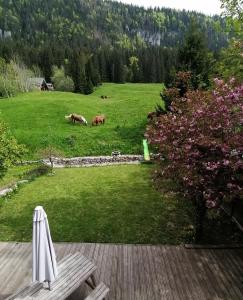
x=98, y=120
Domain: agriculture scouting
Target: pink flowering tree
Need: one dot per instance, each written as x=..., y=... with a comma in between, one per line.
x=201, y=146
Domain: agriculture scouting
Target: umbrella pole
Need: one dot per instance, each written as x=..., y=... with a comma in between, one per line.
x=49, y=284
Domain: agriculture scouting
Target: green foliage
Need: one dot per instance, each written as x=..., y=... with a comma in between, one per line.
x=41, y=22
x=61, y=82
x=82, y=73
x=37, y=171
x=233, y=8
x=50, y=152
x=134, y=74
x=88, y=88
x=10, y=150
x=47, y=33
x=45, y=62
x=14, y=78
x=194, y=56
x=233, y=11
x=230, y=63
x=8, y=86
x=14, y=174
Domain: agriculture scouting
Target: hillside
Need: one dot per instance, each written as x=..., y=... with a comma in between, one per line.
x=97, y=22
x=37, y=119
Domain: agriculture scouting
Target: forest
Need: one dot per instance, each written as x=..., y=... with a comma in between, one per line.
x=112, y=42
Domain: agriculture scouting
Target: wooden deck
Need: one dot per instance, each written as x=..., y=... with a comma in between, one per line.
x=135, y=272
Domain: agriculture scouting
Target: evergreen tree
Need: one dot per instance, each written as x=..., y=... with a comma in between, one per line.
x=77, y=71
x=46, y=63
x=88, y=87
x=119, y=68
x=152, y=69
x=92, y=72
x=102, y=66
x=194, y=57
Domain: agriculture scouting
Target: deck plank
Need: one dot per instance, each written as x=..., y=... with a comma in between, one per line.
x=140, y=272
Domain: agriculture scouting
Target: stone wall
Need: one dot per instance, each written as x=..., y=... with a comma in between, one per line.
x=95, y=161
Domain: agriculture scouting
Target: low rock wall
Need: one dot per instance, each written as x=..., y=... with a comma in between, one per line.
x=95, y=161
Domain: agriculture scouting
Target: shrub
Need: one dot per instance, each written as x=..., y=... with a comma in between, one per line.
x=7, y=88
x=50, y=153
x=36, y=172
x=230, y=61
x=10, y=150
x=61, y=82
x=201, y=146
x=71, y=140
x=14, y=78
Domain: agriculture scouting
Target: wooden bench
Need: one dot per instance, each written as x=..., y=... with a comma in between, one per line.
x=99, y=292
x=74, y=269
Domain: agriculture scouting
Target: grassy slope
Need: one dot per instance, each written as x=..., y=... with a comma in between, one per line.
x=13, y=175
x=105, y=204
x=37, y=119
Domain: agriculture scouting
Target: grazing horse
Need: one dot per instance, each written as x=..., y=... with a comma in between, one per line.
x=78, y=118
x=98, y=120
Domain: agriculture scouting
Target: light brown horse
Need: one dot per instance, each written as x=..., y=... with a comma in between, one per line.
x=98, y=120
x=77, y=118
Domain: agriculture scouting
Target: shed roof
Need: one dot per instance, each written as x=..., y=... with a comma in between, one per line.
x=37, y=80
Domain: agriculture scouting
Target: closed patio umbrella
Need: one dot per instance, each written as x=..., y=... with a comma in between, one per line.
x=44, y=266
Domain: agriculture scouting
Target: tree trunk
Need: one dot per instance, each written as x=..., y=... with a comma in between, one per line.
x=200, y=216
x=51, y=161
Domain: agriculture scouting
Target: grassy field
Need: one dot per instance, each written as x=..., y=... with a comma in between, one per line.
x=102, y=204
x=37, y=119
x=14, y=174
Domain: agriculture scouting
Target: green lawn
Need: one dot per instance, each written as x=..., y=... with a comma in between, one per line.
x=115, y=204
x=14, y=174
x=37, y=119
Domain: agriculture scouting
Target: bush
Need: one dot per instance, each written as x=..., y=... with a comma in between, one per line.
x=14, y=78
x=7, y=88
x=71, y=140
x=36, y=172
x=10, y=150
x=50, y=153
x=201, y=146
x=230, y=61
x=61, y=82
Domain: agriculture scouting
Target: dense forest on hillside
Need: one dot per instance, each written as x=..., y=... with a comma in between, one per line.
x=101, y=22
x=115, y=42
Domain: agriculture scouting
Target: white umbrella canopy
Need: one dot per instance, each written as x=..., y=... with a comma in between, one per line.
x=44, y=266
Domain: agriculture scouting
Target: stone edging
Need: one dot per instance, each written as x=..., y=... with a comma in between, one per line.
x=90, y=161
x=12, y=188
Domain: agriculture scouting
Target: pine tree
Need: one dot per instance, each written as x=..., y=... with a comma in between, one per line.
x=152, y=68
x=46, y=62
x=102, y=66
x=194, y=56
x=92, y=72
x=119, y=68
x=88, y=87
x=77, y=71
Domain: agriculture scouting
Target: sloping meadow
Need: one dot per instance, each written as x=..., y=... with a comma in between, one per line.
x=38, y=119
